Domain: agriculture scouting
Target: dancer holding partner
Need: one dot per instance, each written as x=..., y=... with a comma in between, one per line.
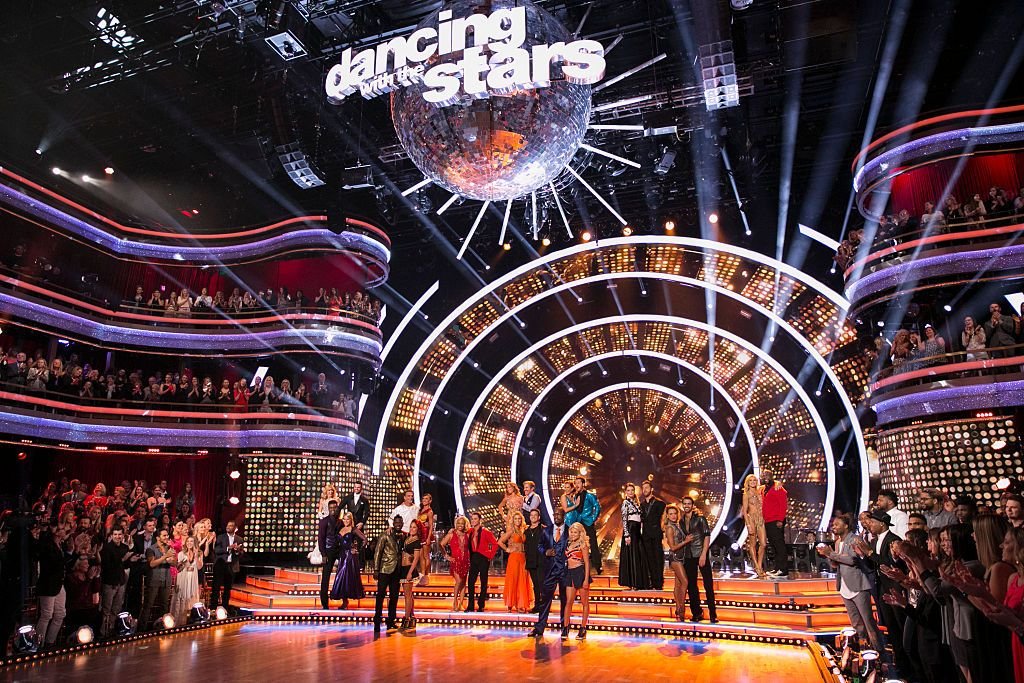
x=348, y=585
x=652, y=510
x=677, y=541
x=753, y=518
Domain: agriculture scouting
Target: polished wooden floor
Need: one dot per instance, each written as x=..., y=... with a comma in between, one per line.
x=296, y=653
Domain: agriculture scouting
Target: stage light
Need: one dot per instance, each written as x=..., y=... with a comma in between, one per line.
x=233, y=500
x=546, y=242
x=631, y=438
x=126, y=624
x=220, y=613
x=167, y=621
x=693, y=493
x=604, y=373
x=1002, y=484
x=27, y=641
x=670, y=226
x=583, y=470
x=947, y=308
x=198, y=614
x=85, y=635
x=881, y=323
x=235, y=474
x=86, y=179
x=507, y=246
x=998, y=444
x=712, y=218
x=39, y=151
x=627, y=231
x=195, y=212
x=628, y=468
x=586, y=236
x=57, y=171
x=109, y=170
x=817, y=392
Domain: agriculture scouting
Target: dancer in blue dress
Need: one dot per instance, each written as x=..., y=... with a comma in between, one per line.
x=348, y=585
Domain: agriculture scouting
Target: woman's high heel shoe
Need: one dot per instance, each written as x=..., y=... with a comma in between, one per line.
x=405, y=624
x=411, y=628
x=565, y=633
x=582, y=633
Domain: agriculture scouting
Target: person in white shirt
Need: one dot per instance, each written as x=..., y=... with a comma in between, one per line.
x=407, y=510
x=531, y=500
x=888, y=501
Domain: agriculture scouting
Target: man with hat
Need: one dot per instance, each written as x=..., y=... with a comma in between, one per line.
x=880, y=554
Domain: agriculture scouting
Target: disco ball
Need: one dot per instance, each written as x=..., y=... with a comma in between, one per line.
x=503, y=146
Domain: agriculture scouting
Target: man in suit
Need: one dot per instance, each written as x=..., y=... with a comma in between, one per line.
x=227, y=549
x=358, y=504
x=552, y=546
x=590, y=508
x=854, y=581
x=652, y=509
x=695, y=554
x=880, y=554
x=328, y=542
x=139, y=572
x=482, y=547
x=535, y=559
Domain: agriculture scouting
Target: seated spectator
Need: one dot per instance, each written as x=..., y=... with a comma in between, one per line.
x=203, y=302
x=972, y=338
x=170, y=308
x=219, y=303
x=183, y=303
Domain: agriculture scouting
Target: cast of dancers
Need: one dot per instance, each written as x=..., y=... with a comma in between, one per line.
x=539, y=559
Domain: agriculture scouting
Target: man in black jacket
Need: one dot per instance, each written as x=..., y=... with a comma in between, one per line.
x=138, y=574
x=49, y=551
x=358, y=504
x=535, y=559
x=696, y=560
x=327, y=540
x=227, y=550
x=652, y=509
x=115, y=557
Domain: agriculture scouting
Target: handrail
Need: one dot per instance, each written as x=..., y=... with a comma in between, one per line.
x=934, y=240
x=937, y=366
x=377, y=232
x=215, y=411
x=942, y=118
x=52, y=295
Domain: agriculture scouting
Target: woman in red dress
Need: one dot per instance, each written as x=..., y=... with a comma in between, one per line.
x=425, y=522
x=456, y=548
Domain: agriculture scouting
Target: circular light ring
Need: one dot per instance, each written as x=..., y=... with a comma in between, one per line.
x=662, y=390
x=751, y=348
x=682, y=242
x=678, y=279
x=668, y=358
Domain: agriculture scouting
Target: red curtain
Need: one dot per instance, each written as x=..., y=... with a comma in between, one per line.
x=205, y=473
x=912, y=189
x=336, y=270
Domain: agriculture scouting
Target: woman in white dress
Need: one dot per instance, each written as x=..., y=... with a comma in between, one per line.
x=186, y=584
x=328, y=494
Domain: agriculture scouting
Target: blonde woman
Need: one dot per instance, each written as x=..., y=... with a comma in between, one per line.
x=569, y=502
x=577, y=579
x=676, y=541
x=186, y=584
x=347, y=583
x=518, y=590
x=512, y=502
x=327, y=494
x=753, y=517
x=425, y=521
x=456, y=547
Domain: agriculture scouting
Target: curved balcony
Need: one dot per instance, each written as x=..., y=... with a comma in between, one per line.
x=950, y=383
x=260, y=333
x=301, y=235
x=100, y=424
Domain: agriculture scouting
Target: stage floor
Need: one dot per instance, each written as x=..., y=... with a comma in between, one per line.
x=298, y=653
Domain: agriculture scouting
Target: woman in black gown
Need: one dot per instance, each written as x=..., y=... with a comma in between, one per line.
x=632, y=566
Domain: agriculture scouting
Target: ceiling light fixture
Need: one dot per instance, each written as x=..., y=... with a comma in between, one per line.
x=713, y=218
x=586, y=236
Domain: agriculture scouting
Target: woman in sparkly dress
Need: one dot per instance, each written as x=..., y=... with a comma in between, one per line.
x=347, y=584
x=753, y=517
x=328, y=494
x=518, y=589
x=425, y=522
x=633, y=571
x=456, y=548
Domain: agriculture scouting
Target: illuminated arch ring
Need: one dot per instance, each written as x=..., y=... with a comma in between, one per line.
x=726, y=505
x=666, y=357
x=755, y=350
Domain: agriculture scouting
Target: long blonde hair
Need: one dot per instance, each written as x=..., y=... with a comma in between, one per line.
x=664, y=516
x=522, y=521
x=746, y=481
x=461, y=518
x=583, y=540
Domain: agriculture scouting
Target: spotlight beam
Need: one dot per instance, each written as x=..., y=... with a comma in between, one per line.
x=418, y=186
x=595, y=193
x=595, y=150
x=472, y=231
x=626, y=74
x=558, y=203
x=622, y=103
x=504, y=221
x=444, y=207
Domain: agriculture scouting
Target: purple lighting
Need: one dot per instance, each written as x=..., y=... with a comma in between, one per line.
x=298, y=239
x=185, y=436
x=209, y=342
x=951, y=400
